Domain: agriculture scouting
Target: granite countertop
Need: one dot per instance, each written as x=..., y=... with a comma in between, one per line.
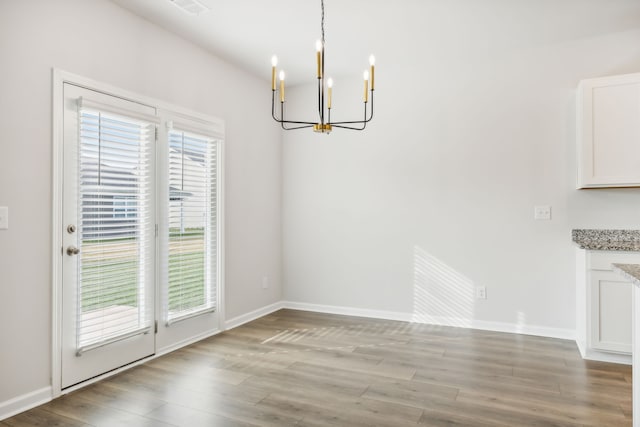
x=630, y=271
x=607, y=240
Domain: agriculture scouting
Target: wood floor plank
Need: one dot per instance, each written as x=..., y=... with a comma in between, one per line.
x=410, y=393
x=254, y=414
x=319, y=410
x=313, y=369
x=276, y=381
x=76, y=407
x=591, y=413
x=436, y=418
x=480, y=381
x=41, y=417
x=450, y=363
x=440, y=411
x=183, y=416
x=569, y=376
x=105, y=394
x=171, y=368
x=364, y=364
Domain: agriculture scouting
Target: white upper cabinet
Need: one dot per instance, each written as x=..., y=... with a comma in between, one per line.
x=608, y=132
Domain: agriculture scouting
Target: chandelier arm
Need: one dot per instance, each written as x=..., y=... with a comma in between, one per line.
x=353, y=122
x=295, y=122
x=366, y=120
x=371, y=116
x=349, y=127
x=363, y=123
x=273, y=106
x=281, y=120
x=296, y=127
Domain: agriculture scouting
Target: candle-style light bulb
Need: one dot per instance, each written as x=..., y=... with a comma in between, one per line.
x=366, y=86
x=281, y=86
x=329, y=91
x=319, y=57
x=274, y=62
x=372, y=63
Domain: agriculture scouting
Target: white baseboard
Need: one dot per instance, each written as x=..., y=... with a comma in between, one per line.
x=568, y=334
x=582, y=348
x=603, y=356
x=253, y=315
x=348, y=311
x=27, y=401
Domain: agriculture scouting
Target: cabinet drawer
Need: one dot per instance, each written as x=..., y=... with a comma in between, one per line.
x=602, y=260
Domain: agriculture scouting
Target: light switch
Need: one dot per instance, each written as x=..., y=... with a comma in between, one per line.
x=4, y=218
x=542, y=212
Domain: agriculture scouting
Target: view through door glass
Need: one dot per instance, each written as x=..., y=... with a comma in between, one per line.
x=109, y=243
x=192, y=218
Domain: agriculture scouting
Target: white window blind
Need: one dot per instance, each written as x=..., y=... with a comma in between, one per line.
x=191, y=256
x=115, y=229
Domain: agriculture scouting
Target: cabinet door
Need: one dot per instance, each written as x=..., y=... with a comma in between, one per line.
x=611, y=306
x=608, y=132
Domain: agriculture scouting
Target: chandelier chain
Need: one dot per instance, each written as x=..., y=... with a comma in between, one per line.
x=322, y=21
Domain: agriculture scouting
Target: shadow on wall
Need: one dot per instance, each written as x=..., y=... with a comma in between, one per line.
x=441, y=295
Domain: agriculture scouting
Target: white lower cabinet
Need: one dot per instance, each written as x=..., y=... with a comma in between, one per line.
x=611, y=307
x=604, y=306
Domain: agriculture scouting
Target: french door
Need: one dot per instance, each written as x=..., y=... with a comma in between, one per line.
x=108, y=290
x=141, y=231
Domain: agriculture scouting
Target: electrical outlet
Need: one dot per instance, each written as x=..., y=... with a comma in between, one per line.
x=265, y=282
x=542, y=212
x=481, y=292
x=4, y=218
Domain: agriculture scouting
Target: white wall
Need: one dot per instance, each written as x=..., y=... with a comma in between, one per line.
x=436, y=197
x=101, y=41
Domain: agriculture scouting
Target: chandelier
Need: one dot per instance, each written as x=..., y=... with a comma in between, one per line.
x=325, y=88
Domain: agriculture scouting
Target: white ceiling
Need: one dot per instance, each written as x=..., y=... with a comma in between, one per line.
x=401, y=33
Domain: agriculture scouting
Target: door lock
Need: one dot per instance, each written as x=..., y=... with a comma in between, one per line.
x=72, y=250
x=71, y=228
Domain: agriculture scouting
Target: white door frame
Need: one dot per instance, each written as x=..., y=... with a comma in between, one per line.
x=59, y=77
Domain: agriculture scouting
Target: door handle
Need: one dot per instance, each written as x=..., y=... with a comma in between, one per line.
x=72, y=250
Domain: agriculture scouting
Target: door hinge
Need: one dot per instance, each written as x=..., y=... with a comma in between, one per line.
x=156, y=327
x=156, y=230
x=156, y=133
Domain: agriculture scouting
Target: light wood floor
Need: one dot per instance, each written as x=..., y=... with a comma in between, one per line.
x=309, y=369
